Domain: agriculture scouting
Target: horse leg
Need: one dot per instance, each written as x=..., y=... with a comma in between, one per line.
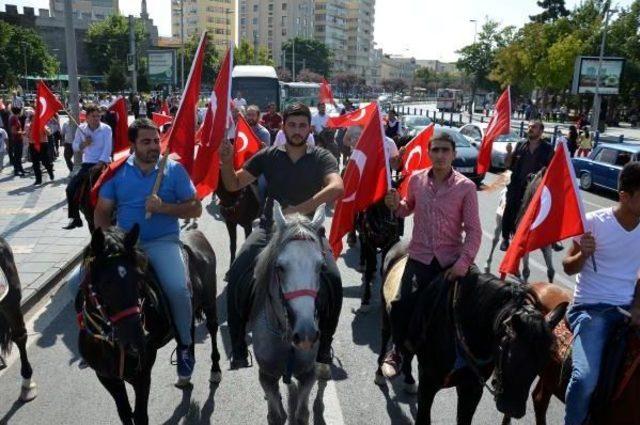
x=469, y=395
x=233, y=236
x=271, y=387
x=142, y=388
x=410, y=385
x=547, y=253
x=526, y=271
x=212, y=327
x=385, y=336
x=29, y=389
x=305, y=384
x=370, y=263
x=119, y=393
x=496, y=238
x=427, y=389
x=541, y=397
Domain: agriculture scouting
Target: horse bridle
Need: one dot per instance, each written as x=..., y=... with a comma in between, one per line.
x=291, y=295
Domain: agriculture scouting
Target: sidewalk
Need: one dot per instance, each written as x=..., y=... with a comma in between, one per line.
x=31, y=220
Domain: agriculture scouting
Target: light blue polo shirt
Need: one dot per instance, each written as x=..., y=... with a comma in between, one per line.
x=129, y=189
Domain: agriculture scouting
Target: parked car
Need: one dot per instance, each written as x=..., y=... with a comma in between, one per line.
x=414, y=124
x=602, y=168
x=466, y=154
x=474, y=132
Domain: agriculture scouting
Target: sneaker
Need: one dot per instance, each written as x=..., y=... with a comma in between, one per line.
x=504, y=245
x=391, y=364
x=73, y=223
x=185, y=362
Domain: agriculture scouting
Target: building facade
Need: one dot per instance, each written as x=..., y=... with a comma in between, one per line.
x=397, y=67
x=271, y=23
x=360, y=55
x=92, y=10
x=331, y=29
x=437, y=66
x=216, y=16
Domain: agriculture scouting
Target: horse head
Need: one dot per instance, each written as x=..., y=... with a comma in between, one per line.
x=525, y=338
x=116, y=268
x=290, y=268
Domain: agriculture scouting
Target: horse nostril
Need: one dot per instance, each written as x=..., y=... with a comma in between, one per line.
x=296, y=338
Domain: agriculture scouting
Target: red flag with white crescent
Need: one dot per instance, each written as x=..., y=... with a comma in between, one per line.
x=46, y=107
x=555, y=212
x=415, y=157
x=121, y=133
x=366, y=180
x=360, y=116
x=246, y=144
x=499, y=124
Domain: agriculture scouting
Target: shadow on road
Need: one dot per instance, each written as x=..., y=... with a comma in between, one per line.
x=33, y=219
x=17, y=405
x=188, y=412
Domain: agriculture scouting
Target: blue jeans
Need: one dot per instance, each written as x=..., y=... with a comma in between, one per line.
x=591, y=325
x=165, y=255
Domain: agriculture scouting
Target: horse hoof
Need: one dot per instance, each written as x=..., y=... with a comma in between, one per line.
x=411, y=388
x=183, y=383
x=364, y=308
x=380, y=381
x=323, y=371
x=215, y=377
x=28, y=392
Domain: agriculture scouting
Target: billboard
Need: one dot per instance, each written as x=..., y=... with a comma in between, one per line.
x=161, y=67
x=586, y=72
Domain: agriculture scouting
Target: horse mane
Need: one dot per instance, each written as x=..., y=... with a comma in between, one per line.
x=267, y=294
x=532, y=187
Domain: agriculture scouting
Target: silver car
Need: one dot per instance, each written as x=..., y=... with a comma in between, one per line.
x=474, y=132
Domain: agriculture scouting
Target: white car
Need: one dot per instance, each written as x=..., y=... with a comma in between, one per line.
x=474, y=132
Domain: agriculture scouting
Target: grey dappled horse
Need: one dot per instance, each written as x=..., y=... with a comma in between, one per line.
x=284, y=312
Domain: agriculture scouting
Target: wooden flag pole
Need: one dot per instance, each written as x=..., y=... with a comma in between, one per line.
x=75, y=122
x=158, y=182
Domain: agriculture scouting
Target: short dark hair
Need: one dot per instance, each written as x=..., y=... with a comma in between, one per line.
x=629, y=180
x=443, y=137
x=538, y=122
x=140, y=124
x=90, y=108
x=296, y=110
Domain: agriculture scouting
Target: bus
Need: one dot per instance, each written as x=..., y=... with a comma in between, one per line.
x=483, y=99
x=258, y=83
x=449, y=100
x=307, y=93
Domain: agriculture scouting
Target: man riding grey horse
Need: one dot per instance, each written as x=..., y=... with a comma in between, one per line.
x=300, y=178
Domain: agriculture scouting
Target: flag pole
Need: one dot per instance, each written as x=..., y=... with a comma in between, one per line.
x=158, y=182
x=74, y=121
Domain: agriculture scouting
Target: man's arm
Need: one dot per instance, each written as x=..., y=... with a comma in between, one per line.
x=233, y=180
x=472, y=237
x=77, y=140
x=191, y=208
x=105, y=155
x=103, y=213
x=578, y=254
x=332, y=190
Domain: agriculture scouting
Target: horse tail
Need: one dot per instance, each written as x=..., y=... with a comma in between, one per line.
x=5, y=335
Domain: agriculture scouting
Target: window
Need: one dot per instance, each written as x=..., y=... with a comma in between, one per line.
x=623, y=158
x=284, y=6
x=606, y=155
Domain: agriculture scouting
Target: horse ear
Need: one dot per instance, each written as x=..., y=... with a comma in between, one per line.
x=318, y=217
x=557, y=315
x=278, y=216
x=97, y=241
x=131, y=238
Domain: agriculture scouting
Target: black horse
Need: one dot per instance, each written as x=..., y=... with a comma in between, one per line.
x=12, y=329
x=463, y=332
x=378, y=229
x=238, y=208
x=124, y=317
x=83, y=195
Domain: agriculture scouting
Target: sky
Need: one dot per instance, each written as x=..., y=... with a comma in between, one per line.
x=424, y=29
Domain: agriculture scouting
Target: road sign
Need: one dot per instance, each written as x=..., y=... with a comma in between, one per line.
x=586, y=71
x=161, y=66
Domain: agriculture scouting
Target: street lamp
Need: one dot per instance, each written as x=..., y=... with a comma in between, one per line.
x=475, y=29
x=596, y=96
x=26, y=81
x=182, y=43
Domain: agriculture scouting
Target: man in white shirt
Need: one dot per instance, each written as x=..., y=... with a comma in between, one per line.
x=319, y=120
x=94, y=140
x=239, y=101
x=606, y=260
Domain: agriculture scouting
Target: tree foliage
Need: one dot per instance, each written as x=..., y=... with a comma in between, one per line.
x=348, y=83
x=108, y=40
x=245, y=54
x=211, y=58
x=393, y=85
x=309, y=76
x=310, y=53
x=116, y=78
x=16, y=43
x=553, y=10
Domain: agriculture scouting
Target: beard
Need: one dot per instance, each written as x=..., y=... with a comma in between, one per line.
x=149, y=157
x=297, y=141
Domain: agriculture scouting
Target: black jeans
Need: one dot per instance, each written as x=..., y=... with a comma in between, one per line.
x=515, y=192
x=68, y=156
x=16, y=157
x=416, y=277
x=240, y=296
x=73, y=187
x=41, y=158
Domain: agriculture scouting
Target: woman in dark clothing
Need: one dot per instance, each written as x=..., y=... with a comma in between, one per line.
x=573, y=140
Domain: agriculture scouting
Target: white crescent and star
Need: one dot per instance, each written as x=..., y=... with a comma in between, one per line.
x=545, y=207
x=245, y=141
x=43, y=106
x=360, y=115
x=360, y=159
x=417, y=150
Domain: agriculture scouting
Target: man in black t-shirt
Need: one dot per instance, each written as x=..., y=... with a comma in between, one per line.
x=300, y=178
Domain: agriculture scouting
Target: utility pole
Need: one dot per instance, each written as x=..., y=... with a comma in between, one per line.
x=255, y=47
x=182, y=43
x=132, y=52
x=293, y=61
x=72, y=71
x=26, y=72
x=596, y=96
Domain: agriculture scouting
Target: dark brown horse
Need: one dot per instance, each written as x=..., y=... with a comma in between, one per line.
x=84, y=196
x=124, y=316
x=622, y=409
x=12, y=329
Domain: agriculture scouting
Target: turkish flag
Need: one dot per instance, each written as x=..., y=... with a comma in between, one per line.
x=46, y=107
x=161, y=119
x=246, y=143
x=415, y=157
x=326, y=95
x=217, y=121
x=181, y=137
x=366, y=180
x=83, y=116
x=106, y=175
x=555, y=212
x=499, y=124
x=121, y=133
x=361, y=117
x=164, y=109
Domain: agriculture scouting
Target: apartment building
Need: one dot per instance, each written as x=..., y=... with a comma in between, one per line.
x=216, y=16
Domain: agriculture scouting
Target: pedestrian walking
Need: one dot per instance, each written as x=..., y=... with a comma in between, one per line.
x=4, y=140
x=16, y=141
x=41, y=157
x=572, y=140
x=586, y=143
x=67, y=143
x=56, y=135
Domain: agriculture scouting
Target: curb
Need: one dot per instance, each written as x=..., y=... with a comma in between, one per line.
x=32, y=300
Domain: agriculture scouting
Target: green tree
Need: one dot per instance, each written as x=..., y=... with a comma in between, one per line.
x=245, y=54
x=424, y=77
x=310, y=53
x=85, y=85
x=309, y=76
x=108, y=41
x=211, y=58
x=553, y=10
x=16, y=43
x=116, y=78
